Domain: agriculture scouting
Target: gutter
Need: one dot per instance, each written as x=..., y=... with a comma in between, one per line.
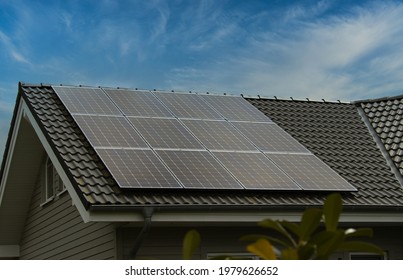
x=147, y=214
x=210, y=208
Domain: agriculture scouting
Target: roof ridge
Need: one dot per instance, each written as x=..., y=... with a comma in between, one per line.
x=244, y=95
x=386, y=98
x=298, y=100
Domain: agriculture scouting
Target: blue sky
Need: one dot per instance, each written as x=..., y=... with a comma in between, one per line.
x=344, y=50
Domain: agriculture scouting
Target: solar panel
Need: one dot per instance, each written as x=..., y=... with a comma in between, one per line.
x=165, y=133
x=311, y=173
x=235, y=108
x=188, y=106
x=109, y=131
x=255, y=171
x=219, y=135
x=269, y=137
x=198, y=170
x=159, y=140
x=80, y=100
x=138, y=103
x=137, y=169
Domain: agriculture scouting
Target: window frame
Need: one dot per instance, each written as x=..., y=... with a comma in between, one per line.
x=358, y=254
x=243, y=256
x=52, y=183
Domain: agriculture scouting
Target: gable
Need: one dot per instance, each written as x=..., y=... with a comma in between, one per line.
x=20, y=174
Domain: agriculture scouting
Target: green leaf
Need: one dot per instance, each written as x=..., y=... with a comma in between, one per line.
x=190, y=243
x=359, y=232
x=275, y=225
x=306, y=252
x=327, y=242
x=309, y=223
x=263, y=249
x=255, y=237
x=289, y=254
x=359, y=246
x=331, y=211
x=291, y=227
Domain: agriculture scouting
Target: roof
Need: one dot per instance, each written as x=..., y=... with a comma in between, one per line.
x=334, y=132
x=386, y=117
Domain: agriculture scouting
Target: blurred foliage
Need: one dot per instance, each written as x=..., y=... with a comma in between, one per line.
x=190, y=244
x=306, y=240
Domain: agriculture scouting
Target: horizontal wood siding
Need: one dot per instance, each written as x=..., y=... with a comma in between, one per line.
x=56, y=231
x=166, y=242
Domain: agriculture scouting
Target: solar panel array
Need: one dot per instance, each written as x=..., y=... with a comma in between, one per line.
x=235, y=108
x=269, y=137
x=165, y=133
x=137, y=168
x=198, y=170
x=138, y=103
x=109, y=131
x=86, y=101
x=193, y=141
x=219, y=135
x=258, y=173
x=310, y=172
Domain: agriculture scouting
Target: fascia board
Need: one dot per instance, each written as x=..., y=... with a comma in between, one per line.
x=166, y=216
x=254, y=217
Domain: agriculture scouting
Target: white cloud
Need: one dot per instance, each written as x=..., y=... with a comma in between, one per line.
x=11, y=49
x=349, y=57
x=300, y=12
x=18, y=57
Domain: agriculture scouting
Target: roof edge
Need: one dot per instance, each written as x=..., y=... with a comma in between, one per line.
x=216, y=214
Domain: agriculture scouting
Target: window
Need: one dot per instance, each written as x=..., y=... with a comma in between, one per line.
x=52, y=184
x=241, y=256
x=367, y=256
x=49, y=189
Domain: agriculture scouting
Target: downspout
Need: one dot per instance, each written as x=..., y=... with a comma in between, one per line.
x=147, y=214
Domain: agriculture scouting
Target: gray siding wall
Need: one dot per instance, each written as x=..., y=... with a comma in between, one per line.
x=56, y=231
x=166, y=242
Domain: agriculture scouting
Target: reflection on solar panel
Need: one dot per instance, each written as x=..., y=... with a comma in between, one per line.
x=138, y=103
x=235, y=108
x=165, y=133
x=311, y=173
x=105, y=131
x=269, y=137
x=198, y=170
x=137, y=169
x=79, y=100
x=219, y=135
x=188, y=106
x=255, y=171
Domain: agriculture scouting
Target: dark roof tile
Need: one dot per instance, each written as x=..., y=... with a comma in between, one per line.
x=391, y=135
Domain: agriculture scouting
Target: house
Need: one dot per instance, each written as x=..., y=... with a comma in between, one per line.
x=59, y=200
